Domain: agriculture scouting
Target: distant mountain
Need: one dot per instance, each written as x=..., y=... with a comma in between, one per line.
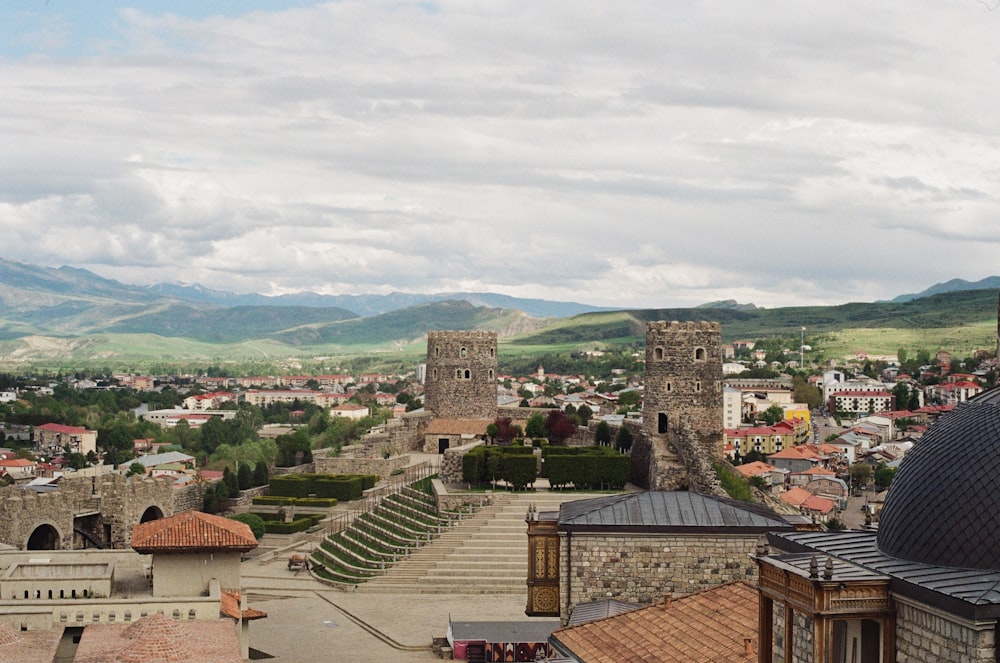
x=369, y=305
x=730, y=304
x=954, y=285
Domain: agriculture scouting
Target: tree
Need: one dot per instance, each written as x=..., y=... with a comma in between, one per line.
x=900, y=395
x=253, y=521
x=559, y=427
x=135, y=469
x=260, y=474
x=884, y=476
x=585, y=414
x=772, y=415
x=623, y=440
x=244, y=476
x=232, y=483
x=629, y=398
x=860, y=473
x=803, y=392
x=535, y=426
x=602, y=434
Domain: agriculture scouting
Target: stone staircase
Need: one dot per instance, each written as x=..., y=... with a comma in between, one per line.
x=487, y=553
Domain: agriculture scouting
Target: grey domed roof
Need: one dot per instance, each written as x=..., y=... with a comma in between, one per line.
x=943, y=505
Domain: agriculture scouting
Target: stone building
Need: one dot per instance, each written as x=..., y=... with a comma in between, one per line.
x=82, y=512
x=638, y=547
x=461, y=374
x=924, y=587
x=682, y=407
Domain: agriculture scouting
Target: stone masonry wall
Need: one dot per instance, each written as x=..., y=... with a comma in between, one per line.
x=191, y=496
x=461, y=374
x=451, y=463
x=383, y=467
x=398, y=435
x=925, y=635
x=802, y=638
x=642, y=568
x=682, y=400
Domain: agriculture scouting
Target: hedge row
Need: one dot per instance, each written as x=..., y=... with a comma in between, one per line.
x=511, y=464
x=343, y=487
x=271, y=500
x=589, y=468
x=297, y=525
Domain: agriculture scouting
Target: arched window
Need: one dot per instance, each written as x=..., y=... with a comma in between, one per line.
x=697, y=385
x=699, y=354
x=468, y=374
x=458, y=373
x=491, y=374
x=658, y=354
x=669, y=386
x=463, y=353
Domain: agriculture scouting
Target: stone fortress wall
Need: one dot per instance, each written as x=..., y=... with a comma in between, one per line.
x=461, y=374
x=103, y=509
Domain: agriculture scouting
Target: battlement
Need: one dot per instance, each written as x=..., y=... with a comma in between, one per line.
x=676, y=326
x=459, y=335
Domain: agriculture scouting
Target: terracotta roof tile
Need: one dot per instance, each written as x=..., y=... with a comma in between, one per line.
x=192, y=530
x=230, y=607
x=160, y=639
x=28, y=646
x=710, y=626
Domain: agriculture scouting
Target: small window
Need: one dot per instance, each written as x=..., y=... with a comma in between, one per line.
x=463, y=353
x=699, y=354
x=697, y=385
x=493, y=352
x=437, y=352
x=658, y=354
x=434, y=374
x=458, y=373
x=670, y=387
x=468, y=374
x=491, y=374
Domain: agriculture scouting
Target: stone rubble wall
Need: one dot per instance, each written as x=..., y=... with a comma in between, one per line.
x=398, y=435
x=451, y=463
x=383, y=467
x=461, y=374
x=925, y=635
x=643, y=568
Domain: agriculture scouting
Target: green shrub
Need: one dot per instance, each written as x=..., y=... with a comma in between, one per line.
x=515, y=465
x=734, y=484
x=297, y=525
x=253, y=521
x=586, y=467
x=274, y=500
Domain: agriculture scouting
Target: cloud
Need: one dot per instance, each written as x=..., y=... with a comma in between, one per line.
x=638, y=154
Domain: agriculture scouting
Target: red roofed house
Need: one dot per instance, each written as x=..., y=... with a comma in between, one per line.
x=211, y=545
x=54, y=437
x=20, y=470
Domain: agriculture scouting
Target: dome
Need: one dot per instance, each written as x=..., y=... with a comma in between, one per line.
x=942, y=505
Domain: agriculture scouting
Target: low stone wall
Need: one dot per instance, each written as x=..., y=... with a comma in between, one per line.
x=306, y=468
x=383, y=467
x=451, y=463
x=448, y=501
x=244, y=501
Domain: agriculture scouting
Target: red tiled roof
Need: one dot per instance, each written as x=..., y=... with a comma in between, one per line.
x=59, y=428
x=817, y=503
x=230, y=607
x=755, y=468
x=795, y=496
x=28, y=646
x=160, y=639
x=189, y=531
x=709, y=626
x=819, y=470
x=17, y=462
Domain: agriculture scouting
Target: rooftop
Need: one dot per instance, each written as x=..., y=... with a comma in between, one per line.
x=191, y=531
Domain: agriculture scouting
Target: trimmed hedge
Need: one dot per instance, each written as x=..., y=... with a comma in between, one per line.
x=343, y=487
x=515, y=465
x=269, y=500
x=297, y=525
x=587, y=468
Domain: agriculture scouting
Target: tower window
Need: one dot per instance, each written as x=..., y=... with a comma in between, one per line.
x=491, y=374
x=463, y=353
x=669, y=386
x=699, y=354
x=458, y=373
x=697, y=385
x=658, y=354
x=468, y=374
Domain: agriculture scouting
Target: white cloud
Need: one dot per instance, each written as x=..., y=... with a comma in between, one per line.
x=637, y=154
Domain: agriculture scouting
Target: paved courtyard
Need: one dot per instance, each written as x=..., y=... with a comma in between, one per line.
x=310, y=622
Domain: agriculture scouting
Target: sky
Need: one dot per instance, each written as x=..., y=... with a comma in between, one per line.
x=627, y=154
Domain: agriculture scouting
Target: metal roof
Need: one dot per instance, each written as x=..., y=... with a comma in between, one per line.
x=668, y=511
x=973, y=593
x=942, y=505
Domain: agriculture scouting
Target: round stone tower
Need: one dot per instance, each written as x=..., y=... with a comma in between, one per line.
x=461, y=374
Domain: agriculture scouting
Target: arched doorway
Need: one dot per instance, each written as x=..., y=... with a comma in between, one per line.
x=152, y=513
x=45, y=537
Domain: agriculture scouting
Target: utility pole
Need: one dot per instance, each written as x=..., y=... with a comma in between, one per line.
x=802, y=350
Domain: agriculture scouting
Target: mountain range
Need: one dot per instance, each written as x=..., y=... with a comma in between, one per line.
x=74, y=315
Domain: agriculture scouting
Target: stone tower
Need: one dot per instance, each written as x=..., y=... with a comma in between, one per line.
x=682, y=403
x=461, y=374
